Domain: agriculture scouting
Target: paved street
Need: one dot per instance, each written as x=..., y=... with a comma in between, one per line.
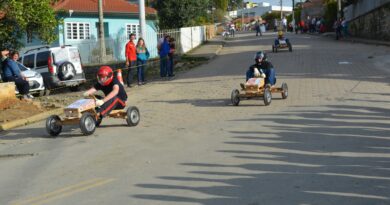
x=327, y=143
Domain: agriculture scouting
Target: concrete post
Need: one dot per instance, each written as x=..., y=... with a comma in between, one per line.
x=101, y=32
x=142, y=21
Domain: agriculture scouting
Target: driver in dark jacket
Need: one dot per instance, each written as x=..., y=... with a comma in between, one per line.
x=262, y=68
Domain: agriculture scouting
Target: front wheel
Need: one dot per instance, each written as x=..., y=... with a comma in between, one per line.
x=235, y=97
x=267, y=96
x=133, y=116
x=87, y=123
x=53, y=125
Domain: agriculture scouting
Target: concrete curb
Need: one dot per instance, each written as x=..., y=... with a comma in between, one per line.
x=357, y=40
x=28, y=120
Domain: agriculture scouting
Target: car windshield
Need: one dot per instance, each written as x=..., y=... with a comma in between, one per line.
x=21, y=67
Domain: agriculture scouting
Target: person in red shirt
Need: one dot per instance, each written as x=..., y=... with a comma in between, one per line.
x=131, y=58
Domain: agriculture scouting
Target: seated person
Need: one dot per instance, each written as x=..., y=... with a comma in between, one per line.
x=262, y=68
x=12, y=73
x=115, y=94
x=281, y=37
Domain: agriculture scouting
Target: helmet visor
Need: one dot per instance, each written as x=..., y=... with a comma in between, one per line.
x=103, y=79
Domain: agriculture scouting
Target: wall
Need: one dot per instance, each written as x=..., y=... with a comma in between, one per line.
x=372, y=25
x=192, y=37
x=362, y=7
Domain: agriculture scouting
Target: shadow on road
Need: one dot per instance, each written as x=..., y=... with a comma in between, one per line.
x=320, y=155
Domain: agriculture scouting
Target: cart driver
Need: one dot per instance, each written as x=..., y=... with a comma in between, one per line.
x=281, y=37
x=262, y=68
x=115, y=94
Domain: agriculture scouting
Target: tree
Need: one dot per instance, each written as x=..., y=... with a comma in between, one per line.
x=330, y=13
x=235, y=4
x=181, y=13
x=27, y=17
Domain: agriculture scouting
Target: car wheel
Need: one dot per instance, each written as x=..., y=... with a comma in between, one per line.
x=267, y=96
x=74, y=88
x=87, y=123
x=235, y=97
x=53, y=125
x=133, y=116
x=66, y=71
x=284, y=90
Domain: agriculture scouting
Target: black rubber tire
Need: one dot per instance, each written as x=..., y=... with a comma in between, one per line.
x=133, y=116
x=87, y=123
x=235, y=97
x=74, y=88
x=284, y=90
x=66, y=71
x=51, y=127
x=267, y=96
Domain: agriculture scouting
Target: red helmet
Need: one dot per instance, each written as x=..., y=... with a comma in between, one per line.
x=105, y=75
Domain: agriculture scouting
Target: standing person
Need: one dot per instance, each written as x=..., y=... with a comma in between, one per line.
x=258, y=29
x=284, y=21
x=142, y=57
x=12, y=73
x=131, y=59
x=232, y=29
x=163, y=52
x=275, y=25
x=172, y=49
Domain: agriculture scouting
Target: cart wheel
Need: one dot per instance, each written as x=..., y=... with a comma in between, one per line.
x=267, y=96
x=87, y=123
x=284, y=90
x=235, y=97
x=133, y=116
x=53, y=125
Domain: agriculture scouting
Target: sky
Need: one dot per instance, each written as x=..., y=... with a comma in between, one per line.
x=275, y=2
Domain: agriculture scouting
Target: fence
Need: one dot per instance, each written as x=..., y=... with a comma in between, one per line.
x=185, y=40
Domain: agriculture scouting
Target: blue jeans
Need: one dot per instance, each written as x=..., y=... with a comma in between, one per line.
x=163, y=66
x=130, y=74
x=141, y=66
x=269, y=73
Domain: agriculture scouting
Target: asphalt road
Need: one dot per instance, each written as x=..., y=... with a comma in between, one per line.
x=327, y=143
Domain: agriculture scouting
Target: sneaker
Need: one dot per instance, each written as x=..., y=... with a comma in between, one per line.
x=30, y=96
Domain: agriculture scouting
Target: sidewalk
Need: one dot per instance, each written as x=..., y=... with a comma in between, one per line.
x=356, y=40
x=209, y=49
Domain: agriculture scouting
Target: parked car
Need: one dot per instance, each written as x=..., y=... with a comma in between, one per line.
x=59, y=66
x=34, y=79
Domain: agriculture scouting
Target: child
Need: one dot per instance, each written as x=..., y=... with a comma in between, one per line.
x=262, y=68
x=115, y=94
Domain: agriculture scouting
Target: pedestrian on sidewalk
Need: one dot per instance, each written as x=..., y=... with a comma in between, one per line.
x=258, y=29
x=131, y=58
x=12, y=73
x=337, y=27
x=164, y=58
x=232, y=29
x=142, y=57
x=172, y=49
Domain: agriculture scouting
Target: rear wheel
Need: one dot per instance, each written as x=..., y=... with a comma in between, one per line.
x=284, y=90
x=87, y=123
x=66, y=71
x=53, y=125
x=133, y=116
x=267, y=96
x=235, y=97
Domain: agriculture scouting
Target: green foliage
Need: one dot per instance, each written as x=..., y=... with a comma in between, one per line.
x=269, y=17
x=330, y=13
x=221, y=4
x=27, y=16
x=181, y=13
x=235, y=4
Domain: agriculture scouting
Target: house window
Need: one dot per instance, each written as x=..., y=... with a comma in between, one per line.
x=132, y=28
x=77, y=31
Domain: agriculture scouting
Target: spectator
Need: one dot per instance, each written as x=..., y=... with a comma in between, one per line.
x=172, y=49
x=275, y=25
x=284, y=22
x=232, y=29
x=258, y=29
x=142, y=57
x=163, y=52
x=131, y=59
x=12, y=73
x=337, y=27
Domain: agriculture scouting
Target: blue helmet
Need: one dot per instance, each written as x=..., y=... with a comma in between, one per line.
x=260, y=55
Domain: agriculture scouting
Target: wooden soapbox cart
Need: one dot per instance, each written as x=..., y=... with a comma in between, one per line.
x=83, y=112
x=255, y=88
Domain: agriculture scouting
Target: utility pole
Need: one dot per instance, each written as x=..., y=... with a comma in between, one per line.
x=142, y=21
x=101, y=32
x=281, y=9
x=293, y=16
x=242, y=16
x=338, y=9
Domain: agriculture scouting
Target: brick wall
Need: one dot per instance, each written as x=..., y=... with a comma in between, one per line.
x=373, y=25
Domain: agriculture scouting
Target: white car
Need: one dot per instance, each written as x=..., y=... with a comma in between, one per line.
x=34, y=79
